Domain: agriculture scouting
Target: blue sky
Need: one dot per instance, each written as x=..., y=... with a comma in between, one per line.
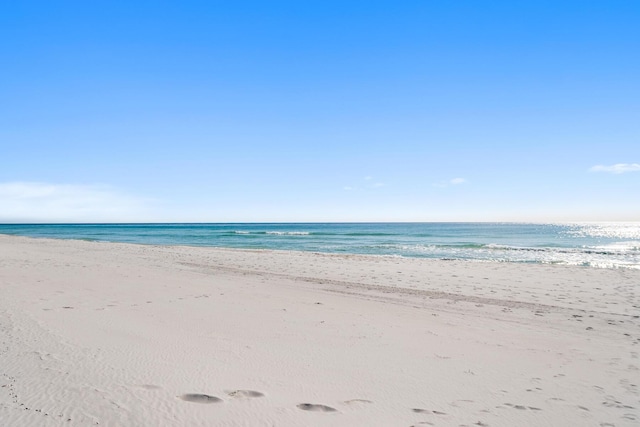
x=319, y=111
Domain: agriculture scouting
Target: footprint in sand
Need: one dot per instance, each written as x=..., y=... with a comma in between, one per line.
x=427, y=411
x=315, y=407
x=523, y=407
x=245, y=393
x=200, y=398
x=421, y=411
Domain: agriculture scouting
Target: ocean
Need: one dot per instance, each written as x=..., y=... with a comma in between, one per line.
x=600, y=245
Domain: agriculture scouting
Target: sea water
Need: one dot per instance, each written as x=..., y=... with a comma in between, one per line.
x=603, y=245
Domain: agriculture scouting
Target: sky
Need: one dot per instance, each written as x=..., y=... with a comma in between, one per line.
x=303, y=111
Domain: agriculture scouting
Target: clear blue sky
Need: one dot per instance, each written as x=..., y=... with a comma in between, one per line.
x=319, y=110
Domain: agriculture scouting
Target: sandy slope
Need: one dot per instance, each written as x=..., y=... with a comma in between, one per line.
x=128, y=335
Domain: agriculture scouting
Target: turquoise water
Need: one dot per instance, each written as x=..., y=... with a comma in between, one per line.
x=604, y=245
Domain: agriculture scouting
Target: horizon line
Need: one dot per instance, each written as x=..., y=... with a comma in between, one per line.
x=322, y=222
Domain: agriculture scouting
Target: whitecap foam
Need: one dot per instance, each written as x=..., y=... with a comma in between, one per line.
x=289, y=233
x=622, y=247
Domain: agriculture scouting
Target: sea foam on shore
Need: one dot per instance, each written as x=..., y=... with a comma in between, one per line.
x=600, y=245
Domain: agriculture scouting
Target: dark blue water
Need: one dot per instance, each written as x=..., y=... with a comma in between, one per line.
x=606, y=245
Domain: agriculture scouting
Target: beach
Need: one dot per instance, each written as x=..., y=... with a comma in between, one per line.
x=96, y=333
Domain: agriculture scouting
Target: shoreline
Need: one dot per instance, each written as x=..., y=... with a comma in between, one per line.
x=131, y=334
x=321, y=253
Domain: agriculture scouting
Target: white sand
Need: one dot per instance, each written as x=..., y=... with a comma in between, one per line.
x=128, y=335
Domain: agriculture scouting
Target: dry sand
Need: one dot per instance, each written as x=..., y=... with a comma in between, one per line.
x=130, y=335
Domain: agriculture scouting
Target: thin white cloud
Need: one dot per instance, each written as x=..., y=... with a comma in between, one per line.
x=618, y=168
x=445, y=184
x=364, y=184
x=43, y=202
